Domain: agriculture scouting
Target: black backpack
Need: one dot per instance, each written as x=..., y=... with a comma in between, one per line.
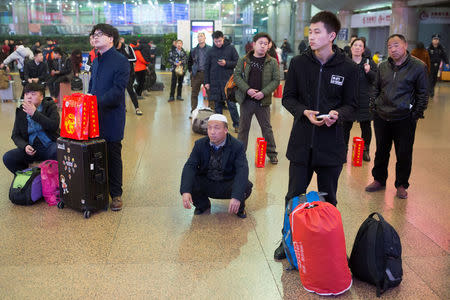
x=377, y=254
x=76, y=84
x=26, y=187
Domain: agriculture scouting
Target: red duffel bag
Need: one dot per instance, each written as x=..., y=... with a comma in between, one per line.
x=319, y=244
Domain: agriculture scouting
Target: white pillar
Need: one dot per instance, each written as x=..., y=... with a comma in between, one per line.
x=405, y=21
x=303, y=16
x=283, y=22
x=345, y=17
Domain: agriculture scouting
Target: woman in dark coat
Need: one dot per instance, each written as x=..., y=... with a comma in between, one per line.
x=367, y=70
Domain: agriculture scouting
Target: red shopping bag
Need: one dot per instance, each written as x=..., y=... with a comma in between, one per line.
x=278, y=93
x=319, y=245
x=75, y=117
x=80, y=117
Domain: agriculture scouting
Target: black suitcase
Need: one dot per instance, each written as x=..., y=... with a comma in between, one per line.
x=83, y=175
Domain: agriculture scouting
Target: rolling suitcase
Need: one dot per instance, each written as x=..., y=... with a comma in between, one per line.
x=83, y=175
x=8, y=94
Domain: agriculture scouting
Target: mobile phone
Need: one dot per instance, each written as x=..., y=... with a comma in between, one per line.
x=320, y=117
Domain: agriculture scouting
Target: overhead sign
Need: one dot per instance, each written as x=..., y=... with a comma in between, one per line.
x=375, y=19
x=438, y=15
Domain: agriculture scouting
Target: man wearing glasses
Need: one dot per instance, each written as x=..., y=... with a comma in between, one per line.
x=110, y=74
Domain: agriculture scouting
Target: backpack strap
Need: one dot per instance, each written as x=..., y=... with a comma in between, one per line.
x=371, y=257
x=288, y=254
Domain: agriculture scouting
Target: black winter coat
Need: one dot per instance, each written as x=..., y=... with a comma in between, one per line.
x=65, y=67
x=437, y=54
x=400, y=91
x=365, y=85
x=48, y=118
x=313, y=86
x=234, y=163
x=31, y=70
x=217, y=76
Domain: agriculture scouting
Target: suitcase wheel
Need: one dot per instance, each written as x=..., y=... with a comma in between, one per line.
x=60, y=205
x=87, y=214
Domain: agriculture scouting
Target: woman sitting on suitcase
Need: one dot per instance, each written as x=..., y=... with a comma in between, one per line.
x=35, y=131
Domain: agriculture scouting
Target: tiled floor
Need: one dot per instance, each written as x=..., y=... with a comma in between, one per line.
x=155, y=249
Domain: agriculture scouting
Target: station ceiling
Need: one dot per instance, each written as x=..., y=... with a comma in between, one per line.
x=332, y=5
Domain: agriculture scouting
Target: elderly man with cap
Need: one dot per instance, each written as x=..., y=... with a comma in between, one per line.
x=216, y=168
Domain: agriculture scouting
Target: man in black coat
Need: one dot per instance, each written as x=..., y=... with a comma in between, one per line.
x=217, y=168
x=35, y=131
x=110, y=75
x=437, y=55
x=397, y=105
x=220, y=62
x=321, y=82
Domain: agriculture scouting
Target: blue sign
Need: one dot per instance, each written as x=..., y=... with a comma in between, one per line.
x=85, y=56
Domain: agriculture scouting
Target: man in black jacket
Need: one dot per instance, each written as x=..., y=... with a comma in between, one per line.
x=217, y=168
x=35, y=131
x=321, y=82
x=35, y=70
x=437, y=55
x=220, y=62
x=398, y=100
x=196, y=66
x=60, y=69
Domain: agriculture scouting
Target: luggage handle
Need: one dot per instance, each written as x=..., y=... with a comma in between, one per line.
x=100, y=177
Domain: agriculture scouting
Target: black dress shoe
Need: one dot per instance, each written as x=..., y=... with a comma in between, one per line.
x=242, y=214
x=171, y=99
x=179, y=98
x=279, y=253
x=199, y=211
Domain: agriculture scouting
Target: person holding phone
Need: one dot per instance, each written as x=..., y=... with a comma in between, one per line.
x=367, y=70
x=320, y=81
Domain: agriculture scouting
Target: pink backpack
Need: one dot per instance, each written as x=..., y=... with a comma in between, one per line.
x=50, y=182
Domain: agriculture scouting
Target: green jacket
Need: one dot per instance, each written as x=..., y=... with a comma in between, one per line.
x=270, y=80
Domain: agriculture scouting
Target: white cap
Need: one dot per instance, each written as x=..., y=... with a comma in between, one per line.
x=218, y=117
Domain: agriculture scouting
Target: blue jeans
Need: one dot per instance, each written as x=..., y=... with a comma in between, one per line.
x=17, y=159
x=231, y=107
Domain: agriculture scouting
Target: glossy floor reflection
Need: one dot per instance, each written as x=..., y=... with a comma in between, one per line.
x=155, y=249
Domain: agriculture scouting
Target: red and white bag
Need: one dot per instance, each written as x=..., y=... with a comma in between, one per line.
x=319, y=244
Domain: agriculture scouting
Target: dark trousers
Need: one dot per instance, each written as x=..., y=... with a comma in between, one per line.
x=115, y=168
x=300, y=177
x=219, y=103
x=196, y=82
x=402, y=133
x=204, y=188
x=53, y=84
x=366, y=132
x=176, y=79
x=434, y=69
x=140, y=78
x=248, y=109
x=17, y=159
x=131, y=92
